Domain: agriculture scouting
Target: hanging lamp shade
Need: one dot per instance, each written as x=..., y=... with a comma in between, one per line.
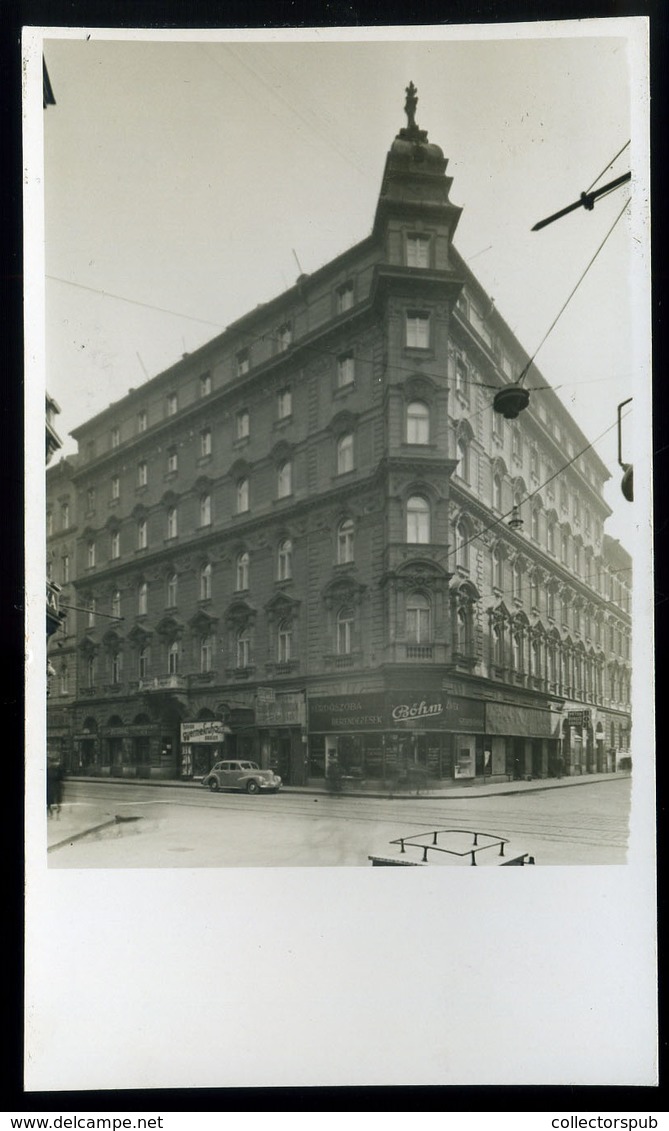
x=515, y=522
x=510, y=401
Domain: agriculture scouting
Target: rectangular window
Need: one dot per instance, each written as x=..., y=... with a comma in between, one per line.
x=205, y=384
x=172, y=404
x=243, y=362
x=115, y=544
x=418, y=330
x=205, y=510
x=115, y=438
x=115, y=487
x=142, y=534
x=345, y=370
x=172, y=522
x=418, y=251
x=284, y=337
x=65, y=569
x=90, y=619
x=534, y=463
x=205, y=442
x=242, y=496
x=65, y=516
x=90, y=499
x=172, y=461
x=344, y=297
x=243, y=424
x=284, y=403
x=142, y=474
x=142, y=420
x=285, y=480
x=90, y=555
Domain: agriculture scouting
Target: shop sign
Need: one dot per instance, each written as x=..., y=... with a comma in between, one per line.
x=205, y=730
x=530, y=722
x=347, y=712
x=287, y=709
x=436, y=711
x=578, y=718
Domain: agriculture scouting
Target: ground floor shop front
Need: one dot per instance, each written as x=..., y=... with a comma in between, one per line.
x=426, y=734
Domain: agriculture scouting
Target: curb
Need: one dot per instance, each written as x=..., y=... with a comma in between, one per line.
x=77, y=836
x=476, y=792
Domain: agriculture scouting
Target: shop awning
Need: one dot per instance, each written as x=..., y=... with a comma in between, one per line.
x=528, y=722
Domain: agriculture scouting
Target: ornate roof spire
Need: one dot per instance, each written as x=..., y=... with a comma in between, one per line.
x=410, y=105
x=411, y=132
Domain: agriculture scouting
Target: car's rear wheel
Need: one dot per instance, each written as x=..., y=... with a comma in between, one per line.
x=252, y=786
x=213, y=785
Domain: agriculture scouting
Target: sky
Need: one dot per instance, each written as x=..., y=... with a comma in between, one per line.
x=194, y=180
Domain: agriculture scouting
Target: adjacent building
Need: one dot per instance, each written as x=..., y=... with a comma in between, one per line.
x=313, y=538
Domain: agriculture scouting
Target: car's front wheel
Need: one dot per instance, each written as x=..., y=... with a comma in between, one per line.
x=213, y=785
x=252, y=786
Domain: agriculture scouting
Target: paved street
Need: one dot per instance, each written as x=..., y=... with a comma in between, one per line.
x=143, y=826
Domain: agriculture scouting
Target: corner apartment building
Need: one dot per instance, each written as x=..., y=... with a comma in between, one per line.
x=294, y=543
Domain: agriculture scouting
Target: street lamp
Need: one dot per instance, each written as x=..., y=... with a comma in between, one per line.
x=627, y=483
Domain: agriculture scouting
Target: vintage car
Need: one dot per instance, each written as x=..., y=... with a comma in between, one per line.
x=450, y=846
x=246, y=776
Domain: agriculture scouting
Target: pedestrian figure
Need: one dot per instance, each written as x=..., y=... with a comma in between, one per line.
x=54, y=788
x=560, y=766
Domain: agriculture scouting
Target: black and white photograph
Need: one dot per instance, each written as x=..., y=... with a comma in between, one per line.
x=343, y=338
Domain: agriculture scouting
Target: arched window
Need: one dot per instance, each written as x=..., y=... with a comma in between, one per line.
x=345, y=453
x=463, y=458
x=285, y=561
x=517, y=581
x=285, y=480
x=550, y=536
x=205, y=510
x=497, y=645
x=205, y=582
x=142, y=534
x=535, y=524
x=345, y=624
x=285, y=642
x=564, y=547
x=173, y=658
x=461, y=544
x=461, y=379
x=116, y=603
x=143, y=662
x=116, y=667
x=172, y=527
x=243, y=570
x=497, y=560
x=497, y=491
x=517, y=651
x=143, y=598
x=244, y=648
x=418, y=423
x=418, y=519
x=345, y=543
x=419, y=629
x=115, y=544
x=536, y=658
x=172, y=587
x=242, y=496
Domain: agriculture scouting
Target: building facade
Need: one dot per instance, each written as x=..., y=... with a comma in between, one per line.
x=294, y=544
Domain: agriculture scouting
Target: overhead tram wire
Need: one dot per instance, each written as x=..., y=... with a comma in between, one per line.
x=572, y=293
x=507, y=514
x=607, y=167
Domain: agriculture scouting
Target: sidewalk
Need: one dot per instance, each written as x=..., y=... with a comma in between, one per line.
x=77, y=819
